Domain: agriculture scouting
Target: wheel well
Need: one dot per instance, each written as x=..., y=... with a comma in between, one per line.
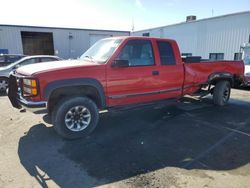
x=215, y=81
x=60, y=93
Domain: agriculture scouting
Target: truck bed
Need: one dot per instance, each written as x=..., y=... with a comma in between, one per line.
x=198, y=73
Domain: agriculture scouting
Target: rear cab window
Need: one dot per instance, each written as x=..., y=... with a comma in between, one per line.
x=166, y=52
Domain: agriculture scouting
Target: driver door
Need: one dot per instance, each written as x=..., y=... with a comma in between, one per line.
x=137, y=82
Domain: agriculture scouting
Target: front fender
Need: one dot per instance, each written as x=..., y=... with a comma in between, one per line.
x=75, y=82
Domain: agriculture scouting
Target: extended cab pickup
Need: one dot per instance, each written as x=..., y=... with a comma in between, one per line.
x=116, y=72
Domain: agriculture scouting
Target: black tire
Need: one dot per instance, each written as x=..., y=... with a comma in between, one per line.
x=64, y=107
x=221, y=93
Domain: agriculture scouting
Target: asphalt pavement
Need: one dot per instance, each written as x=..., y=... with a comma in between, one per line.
x=188, y=143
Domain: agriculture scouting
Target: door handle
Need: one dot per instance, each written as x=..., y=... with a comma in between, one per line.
x=155, y=73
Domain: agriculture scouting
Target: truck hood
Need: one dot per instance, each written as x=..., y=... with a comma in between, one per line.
x=52, y=66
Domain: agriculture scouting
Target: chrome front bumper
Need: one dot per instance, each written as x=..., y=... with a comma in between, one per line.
x=35, y=107
x=19, y=102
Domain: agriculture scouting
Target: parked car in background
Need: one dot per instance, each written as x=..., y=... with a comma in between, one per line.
x=247, y=70
x=7, y=59
x=5, y=71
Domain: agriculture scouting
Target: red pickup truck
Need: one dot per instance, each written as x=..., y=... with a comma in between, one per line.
x=116, y=72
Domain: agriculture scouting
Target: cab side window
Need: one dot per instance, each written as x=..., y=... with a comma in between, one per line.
x=29, y=61
x=47, y=59
x=138, y=53
x=166, y=53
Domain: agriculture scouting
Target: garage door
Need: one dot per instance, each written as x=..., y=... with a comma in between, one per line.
x=37, y=43
x=93, y=38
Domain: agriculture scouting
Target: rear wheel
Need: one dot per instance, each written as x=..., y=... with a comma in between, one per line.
x=221, y=93
x=75, y=117
x=3, y=84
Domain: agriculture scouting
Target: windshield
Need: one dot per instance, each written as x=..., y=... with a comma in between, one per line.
x=247, y=60
x=101, y=51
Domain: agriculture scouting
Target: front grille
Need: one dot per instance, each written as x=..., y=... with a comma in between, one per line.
x=14, y=90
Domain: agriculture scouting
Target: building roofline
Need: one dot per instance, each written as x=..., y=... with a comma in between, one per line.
x=203, y=19
x=66, y=28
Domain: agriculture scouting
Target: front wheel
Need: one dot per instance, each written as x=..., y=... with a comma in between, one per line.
x=221, y=93
x=75, y=117
x=3, y=84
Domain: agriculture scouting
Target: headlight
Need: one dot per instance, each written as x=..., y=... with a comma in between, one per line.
x=30, y=87
x=30, y=82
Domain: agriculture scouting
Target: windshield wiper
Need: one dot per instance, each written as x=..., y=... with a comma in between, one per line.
x=90, y=58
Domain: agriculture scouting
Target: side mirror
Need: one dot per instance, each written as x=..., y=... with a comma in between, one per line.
x=120, y=63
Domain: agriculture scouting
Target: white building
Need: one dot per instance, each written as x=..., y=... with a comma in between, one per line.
x=64, y=42
x=215, y=38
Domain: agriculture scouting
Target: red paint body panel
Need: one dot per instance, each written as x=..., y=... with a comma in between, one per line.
x=130, y=85
x=138, y=80
x=96, y=71
x=198, y=73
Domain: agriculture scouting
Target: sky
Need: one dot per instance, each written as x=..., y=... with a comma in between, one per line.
x=113, y=14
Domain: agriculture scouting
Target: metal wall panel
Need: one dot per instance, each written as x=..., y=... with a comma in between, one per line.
x=68, y=43
x=222, y=34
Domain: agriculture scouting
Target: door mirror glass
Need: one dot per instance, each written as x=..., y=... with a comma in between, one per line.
x=120, y=63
